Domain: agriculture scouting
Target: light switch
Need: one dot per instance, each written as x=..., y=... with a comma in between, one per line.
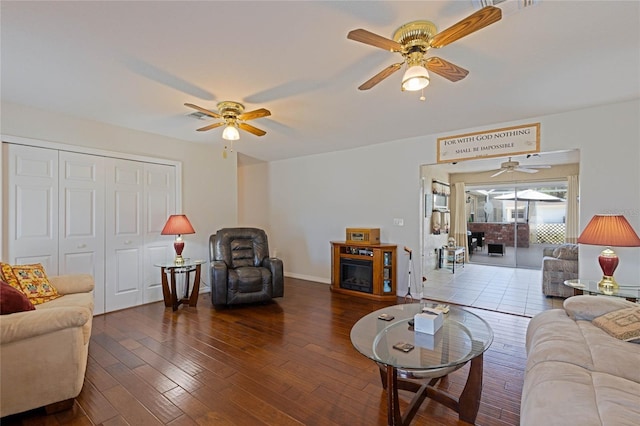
x=398, y=221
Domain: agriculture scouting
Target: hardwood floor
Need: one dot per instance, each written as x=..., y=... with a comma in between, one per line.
x=290, y=362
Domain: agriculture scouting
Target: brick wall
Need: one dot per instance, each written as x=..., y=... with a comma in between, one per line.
x=501, y=233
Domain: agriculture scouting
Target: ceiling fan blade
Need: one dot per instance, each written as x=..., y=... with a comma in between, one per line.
x=210, y=126
x=472, y=23
x=446, y=69
x=539, y=167
x=204, y=111
x=254, y=114
x=249, y=128
x=499, y=173
x=380, y=76
x=367, y=37
x=522, y=169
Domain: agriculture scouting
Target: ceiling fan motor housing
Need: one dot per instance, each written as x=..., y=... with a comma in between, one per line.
x=510, y=164
x=414, y=38
x=230, y=109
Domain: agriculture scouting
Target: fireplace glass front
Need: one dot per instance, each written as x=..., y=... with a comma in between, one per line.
x=356, y=275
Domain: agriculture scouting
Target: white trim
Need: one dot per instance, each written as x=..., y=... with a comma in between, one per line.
x=307, y=278
x=86, y=150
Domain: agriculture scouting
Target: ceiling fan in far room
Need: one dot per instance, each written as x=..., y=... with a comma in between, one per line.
x=514, y=166
x=234, y=118
x=414, y=39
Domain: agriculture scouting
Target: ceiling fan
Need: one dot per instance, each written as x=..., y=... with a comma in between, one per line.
x=234, y=117
x=514, y=166
x=414, y=39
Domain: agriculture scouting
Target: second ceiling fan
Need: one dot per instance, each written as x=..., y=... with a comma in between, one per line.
x=414, y=39
x=234, y=117
x=514, y=166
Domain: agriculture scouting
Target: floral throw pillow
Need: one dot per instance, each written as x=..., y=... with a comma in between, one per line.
x=34, y=283
x=6, y=273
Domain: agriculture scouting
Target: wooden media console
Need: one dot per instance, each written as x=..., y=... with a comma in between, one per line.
x=364, y=270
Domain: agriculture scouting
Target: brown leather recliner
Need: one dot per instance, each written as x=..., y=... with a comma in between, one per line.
x=241, y=269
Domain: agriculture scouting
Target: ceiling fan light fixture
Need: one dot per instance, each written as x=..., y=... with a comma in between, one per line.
x=230, y=133
x=415, y=78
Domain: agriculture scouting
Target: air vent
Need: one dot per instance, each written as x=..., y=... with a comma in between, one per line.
x=509, y=7
x=199, y=116
x=479, y=4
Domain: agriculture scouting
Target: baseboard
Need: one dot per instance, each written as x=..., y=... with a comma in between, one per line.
x=207, y=289
x=308, y=278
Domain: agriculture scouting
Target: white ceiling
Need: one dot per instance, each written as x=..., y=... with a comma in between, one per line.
x=134, y=64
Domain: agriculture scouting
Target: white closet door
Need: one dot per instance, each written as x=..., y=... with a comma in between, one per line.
x=32, y=191
x=124, y=235
x=82, y=214
x=160, y=203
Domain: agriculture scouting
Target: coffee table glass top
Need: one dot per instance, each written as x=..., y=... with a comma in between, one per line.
x=462, y=337
x=591, y=286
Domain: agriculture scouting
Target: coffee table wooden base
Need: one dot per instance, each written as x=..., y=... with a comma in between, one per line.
x=466, y=405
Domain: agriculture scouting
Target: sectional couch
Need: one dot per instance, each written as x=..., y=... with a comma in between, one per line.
x=577, y=373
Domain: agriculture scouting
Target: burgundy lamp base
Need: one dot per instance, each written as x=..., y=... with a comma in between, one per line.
x=608, y=262
x=178, y=246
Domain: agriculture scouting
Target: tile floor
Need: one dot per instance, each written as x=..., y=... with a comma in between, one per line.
x=495, y=288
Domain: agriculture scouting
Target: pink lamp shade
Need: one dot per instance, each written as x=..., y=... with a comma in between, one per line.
x=178, y=224
x=610, y=231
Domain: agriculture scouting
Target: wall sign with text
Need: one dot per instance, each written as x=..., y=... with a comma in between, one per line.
x=492, y=143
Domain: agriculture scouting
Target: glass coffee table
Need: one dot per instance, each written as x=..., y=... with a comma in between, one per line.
x=463, y=337
x=580, y=286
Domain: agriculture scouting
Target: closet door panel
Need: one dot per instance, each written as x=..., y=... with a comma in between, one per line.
x=124, y=233
x=160, y=190
x=82, y=215
x=32, y=188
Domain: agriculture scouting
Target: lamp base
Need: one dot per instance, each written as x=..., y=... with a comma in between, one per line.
x=608, y=261
x=608, y=282
x=178, y=246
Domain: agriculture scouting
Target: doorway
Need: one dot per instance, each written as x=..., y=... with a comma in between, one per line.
x=511, y=224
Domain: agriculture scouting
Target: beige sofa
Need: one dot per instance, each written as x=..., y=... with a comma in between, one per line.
x=576, y=373
x=43, y=353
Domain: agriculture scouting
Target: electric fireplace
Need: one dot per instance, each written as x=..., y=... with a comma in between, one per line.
x=356, y=274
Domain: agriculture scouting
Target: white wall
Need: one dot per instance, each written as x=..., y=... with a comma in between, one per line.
x=253, y=201
x=313, y=199
x=209, y=185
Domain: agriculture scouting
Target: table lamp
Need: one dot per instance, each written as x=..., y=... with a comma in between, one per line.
x=609, y=230
x=177, y=225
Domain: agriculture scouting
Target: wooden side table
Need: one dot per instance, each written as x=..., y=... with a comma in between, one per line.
x=171, y=298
